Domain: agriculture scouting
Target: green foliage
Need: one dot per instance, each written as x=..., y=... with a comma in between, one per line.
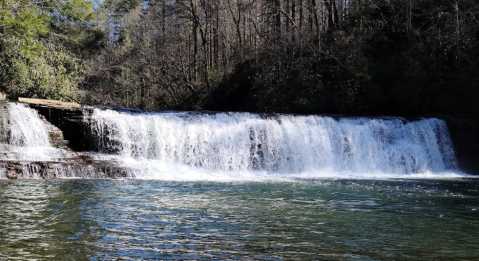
x=70, y=23
x=52, y=75
x=78, y=11
x=35, y=59
x=63, y=13
x=20, y=28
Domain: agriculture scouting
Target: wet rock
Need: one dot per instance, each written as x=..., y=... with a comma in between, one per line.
x=465, y=138
x=68, y=118
x=74, y=169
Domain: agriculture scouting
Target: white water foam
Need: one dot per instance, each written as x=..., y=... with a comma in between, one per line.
x=27, y=137
x=28, y=130
x=243, y=146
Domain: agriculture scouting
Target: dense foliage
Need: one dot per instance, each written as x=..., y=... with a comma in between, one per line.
x=398, y=57
x=42, y=46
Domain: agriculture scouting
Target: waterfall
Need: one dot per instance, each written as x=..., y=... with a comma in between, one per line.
x=24, y=135
x=227, y=146
x=159, y=145
x=23, y=139
x=27, y=129
x=26, y=151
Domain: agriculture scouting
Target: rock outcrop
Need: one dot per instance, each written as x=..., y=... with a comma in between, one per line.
x=4, y=122
x=75, y=168
x=465, y=138
x=68, y=118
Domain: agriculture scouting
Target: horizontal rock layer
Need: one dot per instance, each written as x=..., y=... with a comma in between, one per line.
x=50, y=170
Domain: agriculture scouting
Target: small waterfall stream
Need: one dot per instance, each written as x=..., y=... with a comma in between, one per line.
x=24, y=141
x=24, y=135
x=26, y=150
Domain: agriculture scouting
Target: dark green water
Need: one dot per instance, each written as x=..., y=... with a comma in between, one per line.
x=303, y=220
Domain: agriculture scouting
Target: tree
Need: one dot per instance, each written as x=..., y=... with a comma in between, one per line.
x=41, y=43
x=302, y=56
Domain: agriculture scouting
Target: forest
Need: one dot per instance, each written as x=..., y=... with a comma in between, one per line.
x=354, y=57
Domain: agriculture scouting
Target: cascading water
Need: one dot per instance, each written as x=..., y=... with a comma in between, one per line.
x=24, y=142
x=188, y=146
x=26, y=151
x=24, y=135
x=231, y=146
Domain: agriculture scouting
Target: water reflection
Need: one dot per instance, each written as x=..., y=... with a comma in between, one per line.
x=316, y=220
x=44, y=220
x=21, y=215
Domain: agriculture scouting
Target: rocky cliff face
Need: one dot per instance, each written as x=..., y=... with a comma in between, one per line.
x=465, y=137
x=68, y=118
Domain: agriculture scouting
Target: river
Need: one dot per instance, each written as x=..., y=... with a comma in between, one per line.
x=235, y=186
x=134, y=219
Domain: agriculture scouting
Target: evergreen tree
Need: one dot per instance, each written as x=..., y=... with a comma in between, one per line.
x=42, y=46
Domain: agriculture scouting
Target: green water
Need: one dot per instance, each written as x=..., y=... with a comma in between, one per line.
x=301, y=220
